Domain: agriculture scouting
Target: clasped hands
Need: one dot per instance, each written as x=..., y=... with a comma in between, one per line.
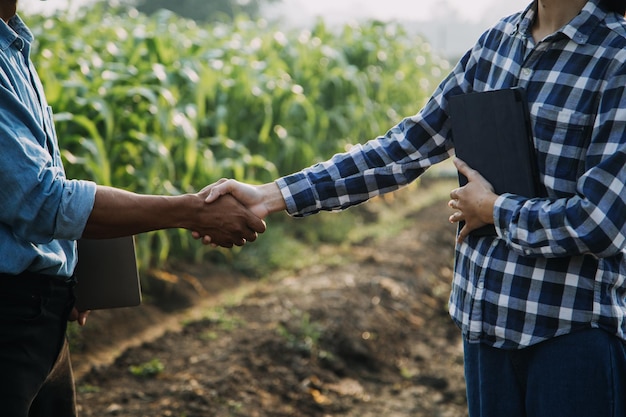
x=259, y=200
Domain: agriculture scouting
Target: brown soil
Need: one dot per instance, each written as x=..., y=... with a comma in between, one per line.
x=370, y=337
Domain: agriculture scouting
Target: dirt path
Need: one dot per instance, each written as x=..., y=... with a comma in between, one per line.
x=370, y=337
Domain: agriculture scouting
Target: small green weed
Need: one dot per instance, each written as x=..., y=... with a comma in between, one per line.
x=148, y=369
x=305, y=335
x=88, y=388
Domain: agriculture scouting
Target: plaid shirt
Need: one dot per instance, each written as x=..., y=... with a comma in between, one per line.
x=558, y=263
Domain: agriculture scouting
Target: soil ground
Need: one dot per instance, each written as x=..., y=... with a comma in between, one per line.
x=368, y=337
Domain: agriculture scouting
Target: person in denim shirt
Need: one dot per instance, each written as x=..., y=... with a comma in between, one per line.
x=43, y=214
x=542, y=305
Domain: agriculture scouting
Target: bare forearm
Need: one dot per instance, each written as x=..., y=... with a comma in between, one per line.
x=120, y=213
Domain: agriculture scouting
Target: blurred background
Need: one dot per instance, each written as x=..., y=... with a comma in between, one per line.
x=451, y=25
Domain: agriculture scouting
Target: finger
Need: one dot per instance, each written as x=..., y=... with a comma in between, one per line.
x=252, y=236
x=462, y=234
x=259, y=226
x=224, y=244
x=459, y=163
x=219, y=182
x=227, y=241
x=456, y=217
x=463, y=168
x=82, y=317
x=256, y=224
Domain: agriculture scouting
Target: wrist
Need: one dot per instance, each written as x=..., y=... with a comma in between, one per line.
x=185, y=210
x=489, y=207
x=272, y=197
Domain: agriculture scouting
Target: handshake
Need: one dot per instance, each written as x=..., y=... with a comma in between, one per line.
x=238, y=210
x=227, y=213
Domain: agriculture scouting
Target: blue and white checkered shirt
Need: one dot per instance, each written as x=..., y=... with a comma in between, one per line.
x=558, y=264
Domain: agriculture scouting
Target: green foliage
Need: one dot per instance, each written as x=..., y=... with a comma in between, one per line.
x=149, y=369
x=221, y=319
x=304, y=336
x=75, y=337
x=88, y=388
x=162, y=104
x=203, y=10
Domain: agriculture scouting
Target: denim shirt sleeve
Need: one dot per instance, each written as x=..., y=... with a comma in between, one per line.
x=38, y=201
x=43, y=212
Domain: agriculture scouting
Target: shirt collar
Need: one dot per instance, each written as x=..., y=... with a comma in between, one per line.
x=579, y=29
x=526, y=19
x=12, y=31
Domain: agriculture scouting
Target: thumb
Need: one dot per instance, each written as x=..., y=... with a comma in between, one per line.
x=217, y=191
x=213, y=195
x=462, y=167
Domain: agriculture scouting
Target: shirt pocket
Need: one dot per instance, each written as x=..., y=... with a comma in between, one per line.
x=561, y=138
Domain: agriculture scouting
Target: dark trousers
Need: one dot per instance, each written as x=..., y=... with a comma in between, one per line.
x=36, y=378
x=578, y=375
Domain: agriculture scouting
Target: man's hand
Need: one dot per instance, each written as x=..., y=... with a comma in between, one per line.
x=473, y=202
x=227, y=222
x=261, y=200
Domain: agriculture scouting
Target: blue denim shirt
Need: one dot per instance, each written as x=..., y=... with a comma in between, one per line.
x=42, y=212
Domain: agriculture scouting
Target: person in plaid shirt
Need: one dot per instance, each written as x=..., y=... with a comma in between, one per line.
x=542, y=306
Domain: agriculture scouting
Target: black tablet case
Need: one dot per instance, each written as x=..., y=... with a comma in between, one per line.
x=492, y=134
x=107, y=275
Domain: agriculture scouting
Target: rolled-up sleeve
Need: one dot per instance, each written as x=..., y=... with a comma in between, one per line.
x=39, y=204
x=76, y=205
x=43, y=212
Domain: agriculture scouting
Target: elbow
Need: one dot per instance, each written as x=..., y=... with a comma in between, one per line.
x=605, y=242
x=606, y=249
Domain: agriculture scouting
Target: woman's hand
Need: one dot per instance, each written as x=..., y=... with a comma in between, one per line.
x=79, y=316
x=474, y=202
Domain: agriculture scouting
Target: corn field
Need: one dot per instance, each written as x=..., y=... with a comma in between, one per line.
x=164, y=105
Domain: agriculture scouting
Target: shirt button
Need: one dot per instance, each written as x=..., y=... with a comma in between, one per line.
x=481, y=285
x=19, y=44
x=527, y=72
